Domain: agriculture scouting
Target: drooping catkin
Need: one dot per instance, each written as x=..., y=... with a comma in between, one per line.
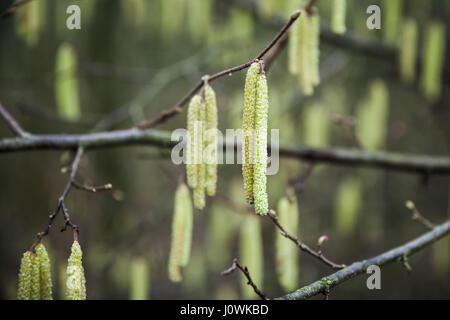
x=293, y=47
x=199, y=191
x=139, y=279
x=433, y=60
x=30, y=20
x=251, y=254
x=408, y=50
x=199, y=19
x=304, y=54
x=347, y=205
x=338, y=16
x=248, y=128
x=181, y=233
x=35, y=278
x=316, y=124
x=392, y=12
x=286, y=252
x=314, y=39
x=24, y=288
x=45, y=273
x=259, y=175
x=76, y=282
x=210, y=153
x=192, y=127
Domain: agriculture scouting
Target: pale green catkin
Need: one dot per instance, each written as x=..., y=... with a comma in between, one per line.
x=408, y=50
x=211, y=141
x=316, y=125
x=433, y=57
x=315, y=49
x=338, y=16
x=286, y=252
x=248, y=128
x=192, y=127
x=199, y=191
x=293, y=48
x=347, y=205
x=139, y=279
x=45, y=273
x=76, y=282
x=372, y=116
x=24, y=288
x=182, y=225
x=29, y=22
x=66, y=83
x=199, y=19
x=304, y=55
x=392, y=12
x=259, y=175
x=251, y=254
x=35, y=278
x=172, y=18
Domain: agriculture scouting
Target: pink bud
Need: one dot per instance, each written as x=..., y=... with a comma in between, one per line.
x=322, y=239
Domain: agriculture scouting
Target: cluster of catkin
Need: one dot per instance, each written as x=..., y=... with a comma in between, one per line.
x=201, y=168
x=304, y=51
x=35, y=281
x=254, y=138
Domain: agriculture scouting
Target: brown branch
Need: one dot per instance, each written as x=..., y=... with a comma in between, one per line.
x=416, y=216
x=318, y=255
x=12, y=9
x=11, y=122
x=169, y=113
x=93, y=189
x=237, y=265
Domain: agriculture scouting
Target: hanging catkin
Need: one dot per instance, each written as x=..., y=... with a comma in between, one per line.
x=408, y=50
x=304, y=54
x=35, y=278
x=314, y=49
x=248, y=128
x=24, y=289
x=45, y=273
x=199, y=191
x=181, y=233
x=286, y=252
x=139, y=279
x=392, y=12
x=76, y=282
x=338, y=16
x=433, y=60
x=191, y=155
x=211, y=141
x=293, y=47
x=259, y=175
x=347, y=205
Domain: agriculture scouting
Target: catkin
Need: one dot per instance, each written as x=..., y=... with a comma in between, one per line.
x=191, y=156
x=314, y=43
x=248, y=127
x=76, y=282
x=211, y=141
x=408, y=50
x=286, y=252
x=293, y=48
x=304, y=55
x=338, y=16
x=347, y=205
x=199, y=191
x=392, y=12
x=24, y=288
x=433, y=60
x=181, y=233
x=35, y=278
x=139, y=279
x=259, y=175
x=45, y=273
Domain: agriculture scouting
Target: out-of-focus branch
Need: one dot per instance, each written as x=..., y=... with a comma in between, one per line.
x=358, y=268
x=416, y=216
x=11, y=122
x=12, y=9
x=237, y=265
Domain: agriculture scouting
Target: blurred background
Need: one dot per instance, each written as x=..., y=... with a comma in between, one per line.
x=133, y=58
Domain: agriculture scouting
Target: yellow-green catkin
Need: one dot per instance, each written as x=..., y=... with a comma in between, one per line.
x=338, y=16
x=372, y=116
x=182, y=225
x=210, y=153
x=433, y=57
x=248, y=128
x=29, y=20
x=45, y=273
x=316, y=125
x=251, y=254
x=139, y=279
x=259, y=175
x=408, y=50
x=314, y=40
x=35, y=278
x=347, y=205
x=304, y=55
x=293, y=47
x=192, y=127
x=199, y=191
x=172, y=18
x=199, y=19
x=24, y=288
x=66, y=83
x=286, y=252
x=76, y=282
x=392, y=13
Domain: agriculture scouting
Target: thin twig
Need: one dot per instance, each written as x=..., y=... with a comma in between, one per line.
x=416, y=216
x=299, y=183
x=318, y=255
x=237, y=265
x=12, y=9
x=11, y=122
x=85, y=187
x=169, y=113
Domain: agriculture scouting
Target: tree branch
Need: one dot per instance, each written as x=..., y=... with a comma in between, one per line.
x=11, y=122
x=380, y=159
x=12, y=9
x=359, y=268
